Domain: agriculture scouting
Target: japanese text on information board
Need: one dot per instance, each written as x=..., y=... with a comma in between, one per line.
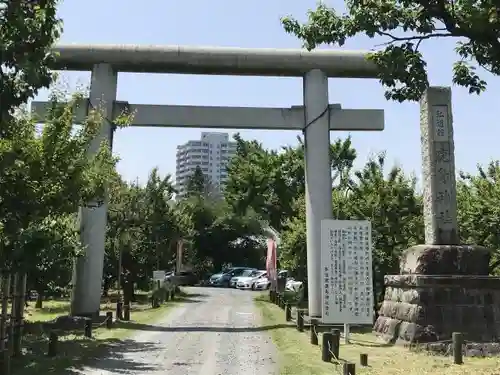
x=346, y=263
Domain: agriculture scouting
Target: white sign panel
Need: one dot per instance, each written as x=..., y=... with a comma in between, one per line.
x=346, y=266
x=159, y=275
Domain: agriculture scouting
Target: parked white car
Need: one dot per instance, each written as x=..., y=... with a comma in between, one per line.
x=293, y=285
x=246, y=273
x=247, y=282
x=262, y=283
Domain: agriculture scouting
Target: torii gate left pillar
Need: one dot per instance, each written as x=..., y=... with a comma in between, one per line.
x=88, y=269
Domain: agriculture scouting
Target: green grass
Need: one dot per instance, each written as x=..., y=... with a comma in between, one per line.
x=299, y=357
x=75, y=350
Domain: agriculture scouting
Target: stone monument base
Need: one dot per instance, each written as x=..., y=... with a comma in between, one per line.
x=442, y=289
x=427, y=308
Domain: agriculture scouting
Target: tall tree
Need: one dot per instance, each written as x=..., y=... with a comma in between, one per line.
x=29, y=30
x=268, y=181
x=402, y=26
x=393, y=206
x=479, y=209
x=197, y=183
x=47, y=175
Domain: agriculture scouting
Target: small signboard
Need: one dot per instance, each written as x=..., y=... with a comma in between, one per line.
x=346, y=266
x=159, y=275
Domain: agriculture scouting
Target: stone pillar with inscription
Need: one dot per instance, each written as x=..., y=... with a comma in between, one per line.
x=444, y=286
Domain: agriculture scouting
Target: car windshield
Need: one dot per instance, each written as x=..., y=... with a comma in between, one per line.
x=247, y=273
x=254, y=273
x=226, y=270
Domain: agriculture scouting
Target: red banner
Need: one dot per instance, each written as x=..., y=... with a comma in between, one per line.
x=271, y=260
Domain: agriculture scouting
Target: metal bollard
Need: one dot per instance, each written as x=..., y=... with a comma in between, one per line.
x=288, y=312
x=314, y=332
x=326, y=355
x=300, y=321
x=87, y=328
x=126, y=312
x=119, y=310
x=349, y=368
x=457, y=342
x=52, y=349
x=336, y=343
x=109, y=319
x=363, y=359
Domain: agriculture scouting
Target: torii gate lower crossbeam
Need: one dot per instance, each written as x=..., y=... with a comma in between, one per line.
x=316, y=119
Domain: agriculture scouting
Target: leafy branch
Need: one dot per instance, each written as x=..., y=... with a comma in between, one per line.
x=406, y=24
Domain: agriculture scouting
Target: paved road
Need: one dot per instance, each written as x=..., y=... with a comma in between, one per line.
x=217, y=333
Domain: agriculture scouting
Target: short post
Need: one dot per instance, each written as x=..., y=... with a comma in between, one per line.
x=272, y=296
x=326, y=355
x=126, y=312
x=314, y=332
x=119, y=310
x=288, y=312
x=349, y=368
x=363, y=359
x=88, y=327
x=457, y=340
x=172, y=294
x=300, y=321
x=53, y=339
x=336, y=343
x=5, y=362
x=109, y=319
x=277, y=301
x=347, y=332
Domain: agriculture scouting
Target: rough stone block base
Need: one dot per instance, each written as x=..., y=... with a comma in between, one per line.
x=446, y=260
x=428, y=308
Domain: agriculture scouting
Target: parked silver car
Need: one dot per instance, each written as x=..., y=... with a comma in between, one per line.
x=246, y=273
x=248, y=282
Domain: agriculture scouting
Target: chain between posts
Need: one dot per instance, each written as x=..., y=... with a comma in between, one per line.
x=101, y=324
x=334, y=358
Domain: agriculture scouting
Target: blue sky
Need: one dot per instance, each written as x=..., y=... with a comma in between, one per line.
x=257, y=24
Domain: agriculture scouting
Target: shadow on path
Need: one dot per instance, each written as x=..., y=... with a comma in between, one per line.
x=75, y=354
x=148, y=327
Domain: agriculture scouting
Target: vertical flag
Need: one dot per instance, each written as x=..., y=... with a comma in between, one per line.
x=271, y=262
x=179, y=255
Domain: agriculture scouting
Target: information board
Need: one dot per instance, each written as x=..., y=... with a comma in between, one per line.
x=159, y=275
x=346, y=265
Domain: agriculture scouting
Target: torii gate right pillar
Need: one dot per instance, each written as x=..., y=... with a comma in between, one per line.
x=318, y=178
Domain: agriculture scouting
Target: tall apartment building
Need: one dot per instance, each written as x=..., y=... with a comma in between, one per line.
x=211, y=153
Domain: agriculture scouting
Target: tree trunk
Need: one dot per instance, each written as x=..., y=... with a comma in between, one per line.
x=39, y=300
x=106, y=286
x=18, y=311
x=128, y=292
x=5, y=279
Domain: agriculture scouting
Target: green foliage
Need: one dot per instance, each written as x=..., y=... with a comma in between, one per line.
x=390, y=203
x=197, y=184
x=268, y=181
x=28, y=29
x=47, y=174
x=394, y=208
x=404, y=25
x=479, y=209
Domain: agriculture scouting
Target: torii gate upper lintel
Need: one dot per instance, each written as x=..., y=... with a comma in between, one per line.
x=316, y=118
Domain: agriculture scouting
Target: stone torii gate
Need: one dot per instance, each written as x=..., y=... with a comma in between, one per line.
x=315, y=118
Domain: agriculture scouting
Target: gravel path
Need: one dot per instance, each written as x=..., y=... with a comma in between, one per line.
x=219, y=333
